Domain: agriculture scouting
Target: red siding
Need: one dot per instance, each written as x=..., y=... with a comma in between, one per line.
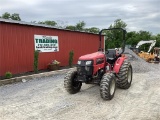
x=17, y=46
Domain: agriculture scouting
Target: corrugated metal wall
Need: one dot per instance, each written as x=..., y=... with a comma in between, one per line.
x=17, y=46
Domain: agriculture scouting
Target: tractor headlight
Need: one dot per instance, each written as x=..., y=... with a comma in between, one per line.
x=79, y=62
x=88, y=62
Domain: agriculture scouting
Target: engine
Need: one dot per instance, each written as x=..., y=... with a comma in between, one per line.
x=91, y=67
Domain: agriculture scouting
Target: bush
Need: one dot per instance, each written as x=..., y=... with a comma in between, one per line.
x=8, y=75
x=36, y=56
x=71, y=54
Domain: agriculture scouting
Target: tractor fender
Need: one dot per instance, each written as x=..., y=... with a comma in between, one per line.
x=118, y=64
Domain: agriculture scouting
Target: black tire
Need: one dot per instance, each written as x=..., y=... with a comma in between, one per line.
x=70, y=84
x=107, y=86
x=124, y=77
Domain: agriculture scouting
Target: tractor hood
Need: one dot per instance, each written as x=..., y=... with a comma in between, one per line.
x=92, y=56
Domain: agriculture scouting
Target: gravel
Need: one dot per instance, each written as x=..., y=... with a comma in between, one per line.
x=138, y=64
x=46, y=99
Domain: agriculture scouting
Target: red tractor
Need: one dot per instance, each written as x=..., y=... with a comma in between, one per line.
x=107, y=69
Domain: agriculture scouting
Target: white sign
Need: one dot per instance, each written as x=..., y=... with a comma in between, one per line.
x=45, y=43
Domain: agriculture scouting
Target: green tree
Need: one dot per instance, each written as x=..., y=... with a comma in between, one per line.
x=114, y=38
x=71, y=27
x=15, y=16
x=158, y=40
x=6, y=15
x=118, y=23
x=132, y=38
x=48, y=22
x=144, y=35
x=80, y=26
x=92, y=30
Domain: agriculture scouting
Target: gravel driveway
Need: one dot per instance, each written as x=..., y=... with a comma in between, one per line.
x=46, y=99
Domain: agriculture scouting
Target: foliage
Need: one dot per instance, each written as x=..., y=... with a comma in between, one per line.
x=14, y=16
x=6, y=15
x=71, y=27
x=36, y=56
x=157, y=37
x=48, y=22
x=80, y=26
x=114, y=38
x=132, y=38
x=8, y=75
x=71, y=55
x=144, y=35
x=92, y=30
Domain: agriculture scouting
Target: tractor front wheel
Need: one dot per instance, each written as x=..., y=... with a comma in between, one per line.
x=107, y=86
x=70, y=84
x=124, y=79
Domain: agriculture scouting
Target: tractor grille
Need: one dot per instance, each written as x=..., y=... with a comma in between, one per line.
x=85, y=70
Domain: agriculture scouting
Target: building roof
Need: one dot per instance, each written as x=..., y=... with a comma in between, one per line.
x=38, y=25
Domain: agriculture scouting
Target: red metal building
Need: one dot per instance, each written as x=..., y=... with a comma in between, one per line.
x=17, y=45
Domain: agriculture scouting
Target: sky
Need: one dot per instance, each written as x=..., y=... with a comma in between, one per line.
x=137, y=14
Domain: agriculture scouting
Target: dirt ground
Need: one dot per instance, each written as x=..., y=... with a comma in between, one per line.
x=46, y=99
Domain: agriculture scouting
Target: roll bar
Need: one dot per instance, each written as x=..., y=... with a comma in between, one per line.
x=124, y=40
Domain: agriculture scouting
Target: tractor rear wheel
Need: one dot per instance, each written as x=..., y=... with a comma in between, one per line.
x=70, y=84
x=108, y=86
x=124, y=79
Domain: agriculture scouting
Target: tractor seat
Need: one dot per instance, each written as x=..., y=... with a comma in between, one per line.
x=111, y=55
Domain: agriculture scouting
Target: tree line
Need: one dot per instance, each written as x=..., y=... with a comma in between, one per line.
x=132, y=37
